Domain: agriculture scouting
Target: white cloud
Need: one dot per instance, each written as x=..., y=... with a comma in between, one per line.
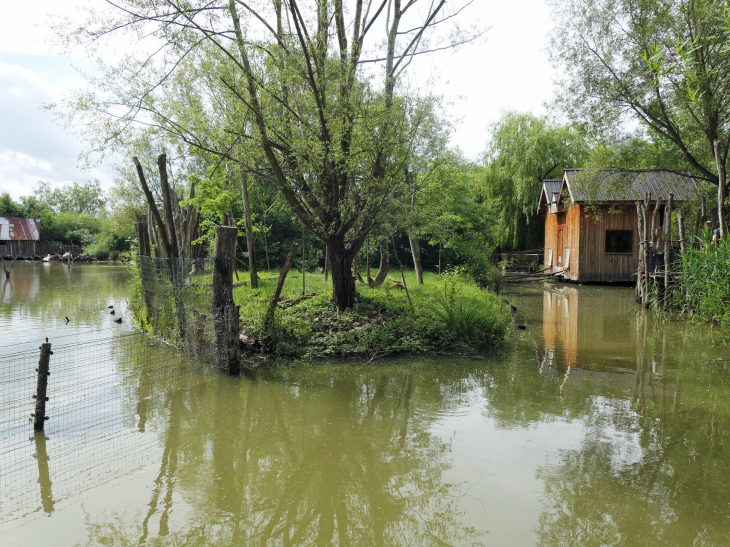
x=32, y=146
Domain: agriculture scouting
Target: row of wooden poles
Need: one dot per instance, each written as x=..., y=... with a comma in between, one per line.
x=656, y=238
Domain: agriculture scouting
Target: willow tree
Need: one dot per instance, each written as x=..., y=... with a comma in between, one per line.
x=317, y=82
x=523, y=150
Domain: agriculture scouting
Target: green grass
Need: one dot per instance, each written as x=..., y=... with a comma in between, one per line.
x=449, y=311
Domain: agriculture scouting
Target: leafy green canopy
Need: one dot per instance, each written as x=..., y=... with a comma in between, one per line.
x=523, y=151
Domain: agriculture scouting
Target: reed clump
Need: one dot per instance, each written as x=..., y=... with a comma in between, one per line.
x=702, y=287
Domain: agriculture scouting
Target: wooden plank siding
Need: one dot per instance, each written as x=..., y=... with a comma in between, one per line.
x=569, y=222
x=10, y=249
x=597, y=266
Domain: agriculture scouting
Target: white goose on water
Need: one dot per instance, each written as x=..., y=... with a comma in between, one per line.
x=47, y=258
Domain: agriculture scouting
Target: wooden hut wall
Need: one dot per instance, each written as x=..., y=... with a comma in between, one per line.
x=596, y=265
x=569, y=222
x=10, y=249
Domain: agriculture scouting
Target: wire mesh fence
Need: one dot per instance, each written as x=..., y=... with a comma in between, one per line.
x=176, y=304
x=102, y=396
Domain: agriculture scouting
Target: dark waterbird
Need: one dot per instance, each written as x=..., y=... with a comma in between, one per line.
x=111, y=307
x=112, y=312
x=67, y=319
x=118, y=320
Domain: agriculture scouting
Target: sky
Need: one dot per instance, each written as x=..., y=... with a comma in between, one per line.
x=507, y=70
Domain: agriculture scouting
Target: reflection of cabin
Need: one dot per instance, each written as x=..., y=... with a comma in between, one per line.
x=18, y=236
x=588, y=326
x=591, y=224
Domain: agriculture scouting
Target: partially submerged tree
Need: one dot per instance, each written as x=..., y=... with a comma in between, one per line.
x=665, y=63
x=335, y=143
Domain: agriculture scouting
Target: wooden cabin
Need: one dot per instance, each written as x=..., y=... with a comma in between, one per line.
x=591, y=230
x=18, y=236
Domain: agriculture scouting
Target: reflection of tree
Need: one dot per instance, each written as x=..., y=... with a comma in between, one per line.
x=333, y=457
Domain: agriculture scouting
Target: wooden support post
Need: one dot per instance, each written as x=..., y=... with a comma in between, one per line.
x=667, y=248
x=655, y=227
x=304, y=261
x=39, y=416
x=642, y=267
x=681, y=231
x=645, y=249
x=269, y=318
x=225, y=312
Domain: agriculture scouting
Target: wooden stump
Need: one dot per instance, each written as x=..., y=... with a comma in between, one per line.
x=225, y=313
x=39, y=416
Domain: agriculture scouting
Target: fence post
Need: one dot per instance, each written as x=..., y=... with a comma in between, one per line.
x=225, y=313
x=40, y=395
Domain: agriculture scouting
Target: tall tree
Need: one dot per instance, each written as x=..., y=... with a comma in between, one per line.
x=335, y=144
x=665, y=63
x=523, y=151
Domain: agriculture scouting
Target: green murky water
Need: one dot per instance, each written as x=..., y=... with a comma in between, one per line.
x=597, y=425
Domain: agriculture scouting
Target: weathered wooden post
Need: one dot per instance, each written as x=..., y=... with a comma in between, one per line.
x=39, y=416
x=641, y=270
x=681, y=231
x=145, y=265
x=271, y=311
x=645, y=237
x=225, y=313
x=667, y=248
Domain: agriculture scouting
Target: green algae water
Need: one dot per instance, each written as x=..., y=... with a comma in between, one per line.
x=599, y=424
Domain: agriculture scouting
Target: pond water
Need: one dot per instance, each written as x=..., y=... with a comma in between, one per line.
x=597, y=425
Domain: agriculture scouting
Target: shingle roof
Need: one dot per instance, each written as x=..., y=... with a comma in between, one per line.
x=20, y=229
x=630, y=185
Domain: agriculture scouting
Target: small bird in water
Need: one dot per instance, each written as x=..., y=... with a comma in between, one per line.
x=67, y=319
x=118, y=320
x=111, y=307
x=112, y=312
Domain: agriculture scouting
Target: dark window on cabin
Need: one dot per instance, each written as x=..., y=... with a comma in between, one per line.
x=619, y=241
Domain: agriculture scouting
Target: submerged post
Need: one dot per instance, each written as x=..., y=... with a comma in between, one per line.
x=225, y=313
x=39, y=416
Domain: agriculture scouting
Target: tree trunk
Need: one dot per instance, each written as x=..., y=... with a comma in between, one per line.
x=343, y=282
x=721, y=190
x=250, y=241
x=304, y=261
x=383, y=268
x=416, y=252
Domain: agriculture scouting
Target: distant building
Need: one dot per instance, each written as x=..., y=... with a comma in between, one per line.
x=19, y=236
x=591, y=231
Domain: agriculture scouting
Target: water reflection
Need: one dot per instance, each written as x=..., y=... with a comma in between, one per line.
x=334, y=457
x=598, y=425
